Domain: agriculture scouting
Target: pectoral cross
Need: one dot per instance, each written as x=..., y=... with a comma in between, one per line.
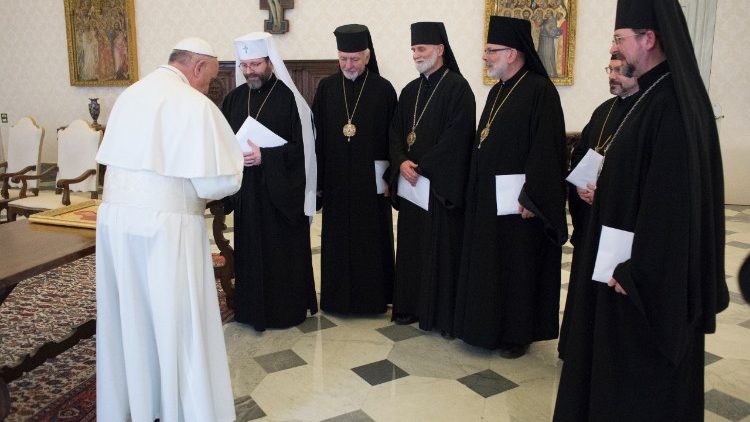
x=276, y=24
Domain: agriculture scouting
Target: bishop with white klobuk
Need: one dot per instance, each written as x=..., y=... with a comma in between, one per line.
x=274, y=278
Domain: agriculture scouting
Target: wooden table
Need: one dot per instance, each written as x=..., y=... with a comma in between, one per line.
x=30, y=249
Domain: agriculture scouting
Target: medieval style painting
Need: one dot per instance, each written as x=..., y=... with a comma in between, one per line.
x=553, y=28
x=101, y=42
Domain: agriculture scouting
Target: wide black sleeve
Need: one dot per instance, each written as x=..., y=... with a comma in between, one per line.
x=656, y=276
x=447, y=163
x=544, y=190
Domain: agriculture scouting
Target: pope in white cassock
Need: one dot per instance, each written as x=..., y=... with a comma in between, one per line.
x=160, y=345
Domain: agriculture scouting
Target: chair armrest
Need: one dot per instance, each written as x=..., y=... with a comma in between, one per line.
x=64, y=184
x=6, y=177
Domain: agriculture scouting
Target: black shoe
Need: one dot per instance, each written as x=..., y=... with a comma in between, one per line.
x=512, y=351
x=446, y=335
x=404, y=319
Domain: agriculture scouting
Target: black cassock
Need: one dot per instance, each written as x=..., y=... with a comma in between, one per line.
x=603, y=124
x=509, y=285
x=429, y=242
x=357, y=237
x=640, y=357
x=274, y=285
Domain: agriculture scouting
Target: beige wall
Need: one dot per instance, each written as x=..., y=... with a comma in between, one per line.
x=34, y=75
x=730, y=89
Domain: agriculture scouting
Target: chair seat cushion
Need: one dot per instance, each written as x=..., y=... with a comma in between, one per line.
x=46, y=201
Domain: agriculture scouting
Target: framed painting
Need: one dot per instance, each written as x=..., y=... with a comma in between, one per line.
x=81, y=215
x=553, y=29
x=101, y=42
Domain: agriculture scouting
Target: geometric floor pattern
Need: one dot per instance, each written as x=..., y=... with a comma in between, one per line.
x=339, y=368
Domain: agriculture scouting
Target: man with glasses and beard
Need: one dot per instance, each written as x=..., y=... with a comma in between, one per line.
x=274, y=285
x=508, y=292
x=651, y=277
x=430, y=139
x=596, y=136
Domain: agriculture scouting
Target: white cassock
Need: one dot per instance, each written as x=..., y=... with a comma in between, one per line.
x=160, y=343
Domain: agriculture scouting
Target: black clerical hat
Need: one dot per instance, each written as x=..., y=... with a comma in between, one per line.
x=354, y=38
x=636, y=14
x=434, y=33
x=515, y=33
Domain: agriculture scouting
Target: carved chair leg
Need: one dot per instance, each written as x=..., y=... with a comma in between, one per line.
x=11, y=214
x=228, y=287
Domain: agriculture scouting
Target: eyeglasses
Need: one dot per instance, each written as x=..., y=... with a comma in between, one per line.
x=248, y=66
x=610, y=69
x=489, y=51
x=617, y=39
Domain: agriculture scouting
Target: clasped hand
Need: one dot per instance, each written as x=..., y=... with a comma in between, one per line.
x=252, y=158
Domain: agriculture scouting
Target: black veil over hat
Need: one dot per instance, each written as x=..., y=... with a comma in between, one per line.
x=706, y=259
x=434, y=33
x=516, y=33
x=354, y=38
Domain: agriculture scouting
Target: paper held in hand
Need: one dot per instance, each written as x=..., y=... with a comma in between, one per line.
x=380, y=166
x=419, y=195
x=507, y=190
x=587, y=170
x=615, y=246
x=258, y=134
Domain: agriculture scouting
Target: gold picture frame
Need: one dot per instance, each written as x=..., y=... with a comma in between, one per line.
x=101, y=42
x=554, y=22
x=82, y=215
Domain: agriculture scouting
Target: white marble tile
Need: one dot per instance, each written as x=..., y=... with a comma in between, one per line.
x=369, y=322
x=433, y=356
x=423, y=399
x=730, y=341
x=310, y=393
x=730, y=376
x=532, y=401
x=243, y=339
x=344, y=347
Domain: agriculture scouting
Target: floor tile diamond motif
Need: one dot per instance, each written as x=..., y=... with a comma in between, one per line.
x=400, y=332
x=746, y=324
x=487, y=383
x=736, y=244
x=315, y=323
x=356, y=416
x=279, y=361
x=726, y=406
x=247, y=409
x=379, y=372
x=710, y=358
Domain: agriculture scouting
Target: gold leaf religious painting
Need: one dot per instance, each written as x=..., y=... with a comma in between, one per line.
x=553, y=29
x=101, y=42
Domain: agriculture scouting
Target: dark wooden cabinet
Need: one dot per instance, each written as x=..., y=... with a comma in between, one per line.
x=306, y=74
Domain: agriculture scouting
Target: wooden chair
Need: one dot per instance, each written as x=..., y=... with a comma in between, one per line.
x=76, y=168
x=24, y=153
x=224, y=262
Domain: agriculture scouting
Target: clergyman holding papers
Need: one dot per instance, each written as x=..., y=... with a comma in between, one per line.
x=273, y=264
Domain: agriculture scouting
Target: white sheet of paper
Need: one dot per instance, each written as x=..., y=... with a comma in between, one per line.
x=587, y=170
x=419, y=195
x=507, y=189
x=615, y=246
x=259, y=134
x=380, y=166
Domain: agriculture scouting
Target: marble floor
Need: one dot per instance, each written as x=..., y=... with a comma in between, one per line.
x=335, y=368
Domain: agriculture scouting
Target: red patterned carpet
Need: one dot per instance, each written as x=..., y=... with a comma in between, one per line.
x=41, y=309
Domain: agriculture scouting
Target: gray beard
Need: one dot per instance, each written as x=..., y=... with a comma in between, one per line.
x=257, y=84
x=426, y=64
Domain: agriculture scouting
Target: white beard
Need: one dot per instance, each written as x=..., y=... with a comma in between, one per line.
x=426, y=63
